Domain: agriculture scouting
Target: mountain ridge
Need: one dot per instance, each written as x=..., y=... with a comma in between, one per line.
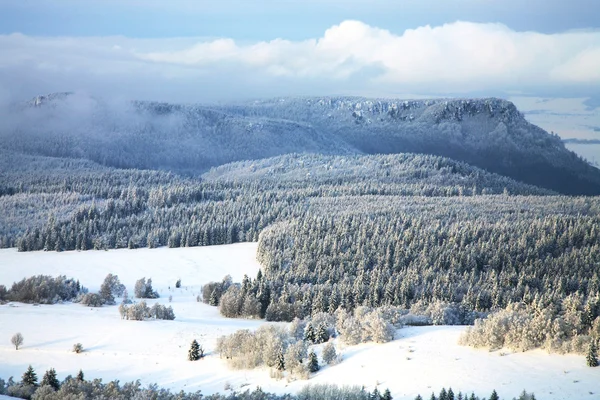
x=487, y=133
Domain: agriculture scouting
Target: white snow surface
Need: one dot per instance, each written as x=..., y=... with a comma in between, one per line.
x=420, y=360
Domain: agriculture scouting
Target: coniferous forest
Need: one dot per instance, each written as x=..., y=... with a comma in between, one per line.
x=339, y=231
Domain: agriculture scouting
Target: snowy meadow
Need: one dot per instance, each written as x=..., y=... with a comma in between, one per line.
x=419, y=360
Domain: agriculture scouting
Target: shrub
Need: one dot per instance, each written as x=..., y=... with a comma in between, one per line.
x=92, y=300
x=141, y=311
x=78, y=348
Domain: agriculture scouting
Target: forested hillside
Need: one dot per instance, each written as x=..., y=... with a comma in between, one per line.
x=94, y=206
x=488, y=133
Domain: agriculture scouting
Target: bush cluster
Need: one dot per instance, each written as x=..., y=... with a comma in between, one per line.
x=43, y=289
x=140, y=311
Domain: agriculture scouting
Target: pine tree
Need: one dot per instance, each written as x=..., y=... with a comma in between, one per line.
x=387, y=395
x=194, y=352
x=443, y=394
x=313, y=362
x=50, y=379
x=29, y=377
x=80, y=377
x=322, y=335
x=214, y=300
x=450, y=394
x=375, y=395
x=592, y=355
x=494, y=395
x=280, y=363
x=309, y=333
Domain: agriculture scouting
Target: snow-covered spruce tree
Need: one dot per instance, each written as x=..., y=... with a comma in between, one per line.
x=321, y=335
x=313, y=362
x=194, y=352
x=29, y=377
x=329, y=354
x=309, y=333
x=17, y=340
x=387, y=395
x=80, y=377
x=591, y=359
x=50, y=379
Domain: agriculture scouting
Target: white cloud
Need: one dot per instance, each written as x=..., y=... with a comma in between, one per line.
x=351, y=57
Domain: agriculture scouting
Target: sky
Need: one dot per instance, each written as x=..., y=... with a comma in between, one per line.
x=208, y=50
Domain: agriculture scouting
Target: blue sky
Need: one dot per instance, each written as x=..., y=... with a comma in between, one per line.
x=270, y=19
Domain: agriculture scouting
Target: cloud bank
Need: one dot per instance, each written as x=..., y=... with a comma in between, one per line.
x=349, y=58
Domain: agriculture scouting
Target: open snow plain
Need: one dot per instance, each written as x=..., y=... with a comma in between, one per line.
x=420, y=360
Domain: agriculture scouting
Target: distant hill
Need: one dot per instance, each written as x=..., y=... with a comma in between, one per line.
x=488, y=133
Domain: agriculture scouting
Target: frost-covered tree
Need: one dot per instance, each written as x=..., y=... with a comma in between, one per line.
x=321, y=335
x=329, y=354
x=309, y=333
x=92, y=300
x=387, y=395
x=126, y=299
x=78, y=348
x=591, y=357
x=194, y=351
x=143, y=289
x=50, y=379
x=110, y=288
x=17, y=340
x=377, y=329
x=297, y=327
x=295, y=354
x=313, y=362
x=280, y=362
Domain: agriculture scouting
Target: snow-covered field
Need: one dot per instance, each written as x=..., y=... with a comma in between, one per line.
x=421, y=360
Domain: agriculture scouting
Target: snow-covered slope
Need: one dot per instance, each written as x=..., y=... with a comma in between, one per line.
x=421, y=360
